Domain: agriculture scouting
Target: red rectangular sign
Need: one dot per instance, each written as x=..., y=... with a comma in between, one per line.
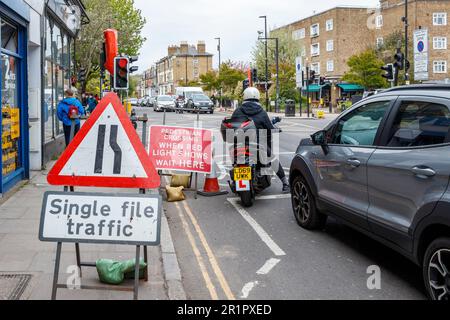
x=181, y=149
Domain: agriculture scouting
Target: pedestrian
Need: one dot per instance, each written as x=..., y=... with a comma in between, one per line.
x=66, y=107
x=91, y=103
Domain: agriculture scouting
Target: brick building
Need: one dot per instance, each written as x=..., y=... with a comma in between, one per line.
x=331, y=37
x=423, y=14
x=183, y=64
x=149, y=82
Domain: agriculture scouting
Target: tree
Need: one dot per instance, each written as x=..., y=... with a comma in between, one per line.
x=118, y=14
x=229, y=78
x=365, y=70
x=288, y=50
x=210, y=81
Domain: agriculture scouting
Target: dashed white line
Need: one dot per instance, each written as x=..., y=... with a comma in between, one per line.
x=247, y=289
x=268, y=266
x=258, y=229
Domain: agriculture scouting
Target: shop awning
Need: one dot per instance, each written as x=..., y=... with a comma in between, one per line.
x=349, y=87
x=316, y=87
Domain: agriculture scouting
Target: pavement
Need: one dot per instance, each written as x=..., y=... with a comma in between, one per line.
x=27, y=264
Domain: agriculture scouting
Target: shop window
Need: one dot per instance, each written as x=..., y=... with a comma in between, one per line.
x=9, y=37
x=10, y=116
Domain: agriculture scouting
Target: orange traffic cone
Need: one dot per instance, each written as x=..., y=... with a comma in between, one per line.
x=212, y=187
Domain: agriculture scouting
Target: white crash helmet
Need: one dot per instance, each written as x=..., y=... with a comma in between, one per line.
x=251, y=94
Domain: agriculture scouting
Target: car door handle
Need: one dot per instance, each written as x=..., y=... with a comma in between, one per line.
x=354, y=163
x=423, y=172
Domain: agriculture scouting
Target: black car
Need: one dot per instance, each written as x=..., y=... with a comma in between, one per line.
x=383, y=168
x=201, y=103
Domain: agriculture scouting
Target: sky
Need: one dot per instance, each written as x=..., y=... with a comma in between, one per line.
x=236, y=22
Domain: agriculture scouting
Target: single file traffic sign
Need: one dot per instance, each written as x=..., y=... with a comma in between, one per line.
x=107, y=152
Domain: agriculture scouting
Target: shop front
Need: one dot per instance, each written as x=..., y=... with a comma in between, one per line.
x=62, y=22
x=14, y=97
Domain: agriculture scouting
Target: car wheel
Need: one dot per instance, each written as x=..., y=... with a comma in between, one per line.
x=436, y=269
x=304, y=206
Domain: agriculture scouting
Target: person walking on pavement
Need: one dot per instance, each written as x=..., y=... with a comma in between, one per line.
x=252, y=109
x=91, y=103
x=65, y=107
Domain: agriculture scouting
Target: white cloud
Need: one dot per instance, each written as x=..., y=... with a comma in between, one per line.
x=236, y=22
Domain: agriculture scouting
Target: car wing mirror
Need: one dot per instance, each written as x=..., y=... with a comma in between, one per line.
x=320, y=139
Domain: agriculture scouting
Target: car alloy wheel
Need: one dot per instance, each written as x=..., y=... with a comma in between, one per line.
x=439, y=275
x=301, y=200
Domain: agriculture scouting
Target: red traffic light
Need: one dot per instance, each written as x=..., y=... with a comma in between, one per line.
x=123, y=63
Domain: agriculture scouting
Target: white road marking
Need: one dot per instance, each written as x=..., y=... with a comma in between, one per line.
x=274, y=197
x=258, y=229
x=268, y=266
x=247, y=289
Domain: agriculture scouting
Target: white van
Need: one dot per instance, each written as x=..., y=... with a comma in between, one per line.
x=187, y=92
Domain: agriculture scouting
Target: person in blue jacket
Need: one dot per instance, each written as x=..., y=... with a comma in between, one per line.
x=92, y=103
x=63, y=113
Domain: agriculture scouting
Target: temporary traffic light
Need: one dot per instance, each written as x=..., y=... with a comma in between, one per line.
x=399, y=60
x=390, y=72
x=121, y=73
x=111, y=49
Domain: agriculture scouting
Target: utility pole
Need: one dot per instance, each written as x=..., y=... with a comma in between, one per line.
x=266, y=86
x=220, y=63
x=406, y=62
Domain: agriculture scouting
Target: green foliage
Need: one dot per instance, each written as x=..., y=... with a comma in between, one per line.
x=210, y=81
x=365, y=70
x=288, y=50
x=117, y=14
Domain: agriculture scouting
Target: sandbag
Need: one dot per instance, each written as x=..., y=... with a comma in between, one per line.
x=113, y=272
x=175, y=194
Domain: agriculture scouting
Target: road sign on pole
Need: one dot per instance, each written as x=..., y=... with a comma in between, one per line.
x=421, y=55
x=107, y=152
x=299, y=72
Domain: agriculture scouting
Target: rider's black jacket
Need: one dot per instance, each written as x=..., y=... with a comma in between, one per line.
x=254, y=111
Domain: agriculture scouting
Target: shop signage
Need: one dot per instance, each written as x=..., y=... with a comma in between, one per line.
x=101, y=218
x=181, y=149
x=107, y=152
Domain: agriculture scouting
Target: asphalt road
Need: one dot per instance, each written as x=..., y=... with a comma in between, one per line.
x=228, y=252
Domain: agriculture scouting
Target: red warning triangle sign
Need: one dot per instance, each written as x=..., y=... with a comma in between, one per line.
x=106, y=152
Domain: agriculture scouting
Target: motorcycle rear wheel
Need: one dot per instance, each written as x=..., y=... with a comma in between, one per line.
x=247, y=198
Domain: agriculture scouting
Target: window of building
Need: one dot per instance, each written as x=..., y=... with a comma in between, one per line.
x=440, y=43
x=316, y=67
x=329, y=25
x=379, y=21
x=440, y=18
x=58, y=70
x=315, y=49
x=298, y=34
x=440, y=66
x=303, y=52
x=315, y=30
x=330, y=45
x=330, y=66
x=9, y=37
x=380, y=42
x=195, y=62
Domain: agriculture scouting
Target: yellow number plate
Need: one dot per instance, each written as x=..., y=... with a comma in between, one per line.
x=243, y=173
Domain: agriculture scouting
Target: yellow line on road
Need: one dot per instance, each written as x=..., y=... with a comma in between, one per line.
x=212, y=259
x=198, y=256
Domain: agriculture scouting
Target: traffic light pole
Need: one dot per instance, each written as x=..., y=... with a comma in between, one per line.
x=406, y=43
x=307, y=90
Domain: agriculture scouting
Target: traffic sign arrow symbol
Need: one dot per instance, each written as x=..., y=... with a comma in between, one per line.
x=107, y=152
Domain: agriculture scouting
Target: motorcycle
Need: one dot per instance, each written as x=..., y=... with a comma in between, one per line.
x=247, y=174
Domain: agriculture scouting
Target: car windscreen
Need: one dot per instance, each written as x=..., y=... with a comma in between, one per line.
x=165, y=99
x=200, y=97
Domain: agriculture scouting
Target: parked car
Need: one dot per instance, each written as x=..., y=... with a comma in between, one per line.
x=383, y=168
x=151, y=102
x=134, y=102
x=164, y=103
x=201, y=103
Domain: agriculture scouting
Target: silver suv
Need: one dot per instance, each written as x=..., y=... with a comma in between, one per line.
x=383, y=167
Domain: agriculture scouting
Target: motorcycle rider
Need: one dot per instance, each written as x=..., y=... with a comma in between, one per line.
x=252, y=109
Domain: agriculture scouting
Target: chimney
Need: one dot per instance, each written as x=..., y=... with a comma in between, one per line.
x=201, y=47
x=171, y=50
x=184, y=47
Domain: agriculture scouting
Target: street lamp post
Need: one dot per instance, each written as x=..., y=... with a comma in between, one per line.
x=220, y=63
x=277, y=70
x=266, y=86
